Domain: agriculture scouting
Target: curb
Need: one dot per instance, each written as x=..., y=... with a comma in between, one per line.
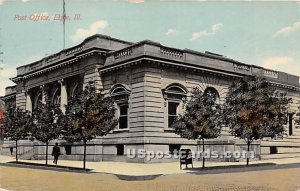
x=44, y=167
x=78, y=170
x=239, y=168
x=195, y=171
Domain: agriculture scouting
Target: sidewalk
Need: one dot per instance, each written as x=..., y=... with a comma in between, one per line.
x=138, y=169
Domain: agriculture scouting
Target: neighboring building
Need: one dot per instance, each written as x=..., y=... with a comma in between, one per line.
x=150, y=84
x=1, y=121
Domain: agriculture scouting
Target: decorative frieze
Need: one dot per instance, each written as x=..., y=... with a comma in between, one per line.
x=171, y=52
x=270, y=73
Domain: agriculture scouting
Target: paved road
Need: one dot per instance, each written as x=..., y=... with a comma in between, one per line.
x=17, y=179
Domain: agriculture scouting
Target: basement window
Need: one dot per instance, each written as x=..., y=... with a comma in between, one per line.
x=68, y=149
x=120, y=150
x=173, y=148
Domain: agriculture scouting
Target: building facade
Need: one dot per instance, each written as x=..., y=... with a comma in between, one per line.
x=1, y=121
x=150, y=84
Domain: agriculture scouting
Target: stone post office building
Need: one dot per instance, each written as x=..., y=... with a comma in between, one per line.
x=150, y=84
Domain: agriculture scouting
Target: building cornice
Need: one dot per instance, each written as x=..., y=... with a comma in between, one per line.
x=59, y=64
x=286, y=86
x=8, y=97
x=205, y=61
x=185, y=66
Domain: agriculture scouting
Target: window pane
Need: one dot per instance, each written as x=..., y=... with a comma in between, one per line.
x=123, y=109
x=68, y=149
x=172, y=108
x=174, y=147
x=123, y=122
x=120, y=149
x=171, y=120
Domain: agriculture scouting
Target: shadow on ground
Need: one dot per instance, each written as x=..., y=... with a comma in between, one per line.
x=195, y=171
x=231, y=166
x=46, y=167
x=240, y=168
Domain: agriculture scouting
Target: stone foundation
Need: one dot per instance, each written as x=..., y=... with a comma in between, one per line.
x=99, y=151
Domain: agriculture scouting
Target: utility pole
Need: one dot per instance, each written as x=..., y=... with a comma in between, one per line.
x=64, y=24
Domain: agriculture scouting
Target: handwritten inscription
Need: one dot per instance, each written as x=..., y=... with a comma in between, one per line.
x=46, y=17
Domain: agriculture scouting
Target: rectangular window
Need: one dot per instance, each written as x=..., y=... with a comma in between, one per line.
x=172, y=112
x=68, y=149
x=120, y=149
x=123, y=118
x=174, y=148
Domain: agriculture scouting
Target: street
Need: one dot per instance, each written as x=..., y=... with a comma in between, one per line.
x=23, y=179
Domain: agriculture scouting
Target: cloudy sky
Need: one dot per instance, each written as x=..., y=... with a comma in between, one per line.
x=260, y=33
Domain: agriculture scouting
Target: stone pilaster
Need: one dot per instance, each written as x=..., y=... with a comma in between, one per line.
x=44, y=94
x=63, y=95
x=28, y=101
x=21, y=99
x=98, y=80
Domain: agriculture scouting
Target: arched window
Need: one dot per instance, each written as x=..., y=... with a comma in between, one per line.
x=56, y=98
x=74, y=87
x=213, y=93
x=120, y=93
x=74, y=90
x=37, y=99
x=174, y=95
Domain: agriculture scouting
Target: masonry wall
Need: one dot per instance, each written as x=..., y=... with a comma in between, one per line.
x=147, y=117
x=148, y=113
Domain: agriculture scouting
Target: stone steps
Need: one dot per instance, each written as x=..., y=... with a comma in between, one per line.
x=280, y=144
x=294, y=139
x=28, y=154
x=288, y=150
x=296, y=132
x=25, y=149
x=280, y=156
x=6, y=151
x=287, y=147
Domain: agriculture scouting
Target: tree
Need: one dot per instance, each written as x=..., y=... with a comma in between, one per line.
x=254, y=109
x=47, y=124
x=17, y=125
x=88, y=114
x=202, y=118
x=1, y=121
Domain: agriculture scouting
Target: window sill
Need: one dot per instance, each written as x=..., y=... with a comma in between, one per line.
x=169, y=129
x=121, y=130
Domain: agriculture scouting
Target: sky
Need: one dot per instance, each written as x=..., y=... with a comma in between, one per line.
x=260, y=33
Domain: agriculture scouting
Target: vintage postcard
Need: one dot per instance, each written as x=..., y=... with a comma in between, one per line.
x=149, y=95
